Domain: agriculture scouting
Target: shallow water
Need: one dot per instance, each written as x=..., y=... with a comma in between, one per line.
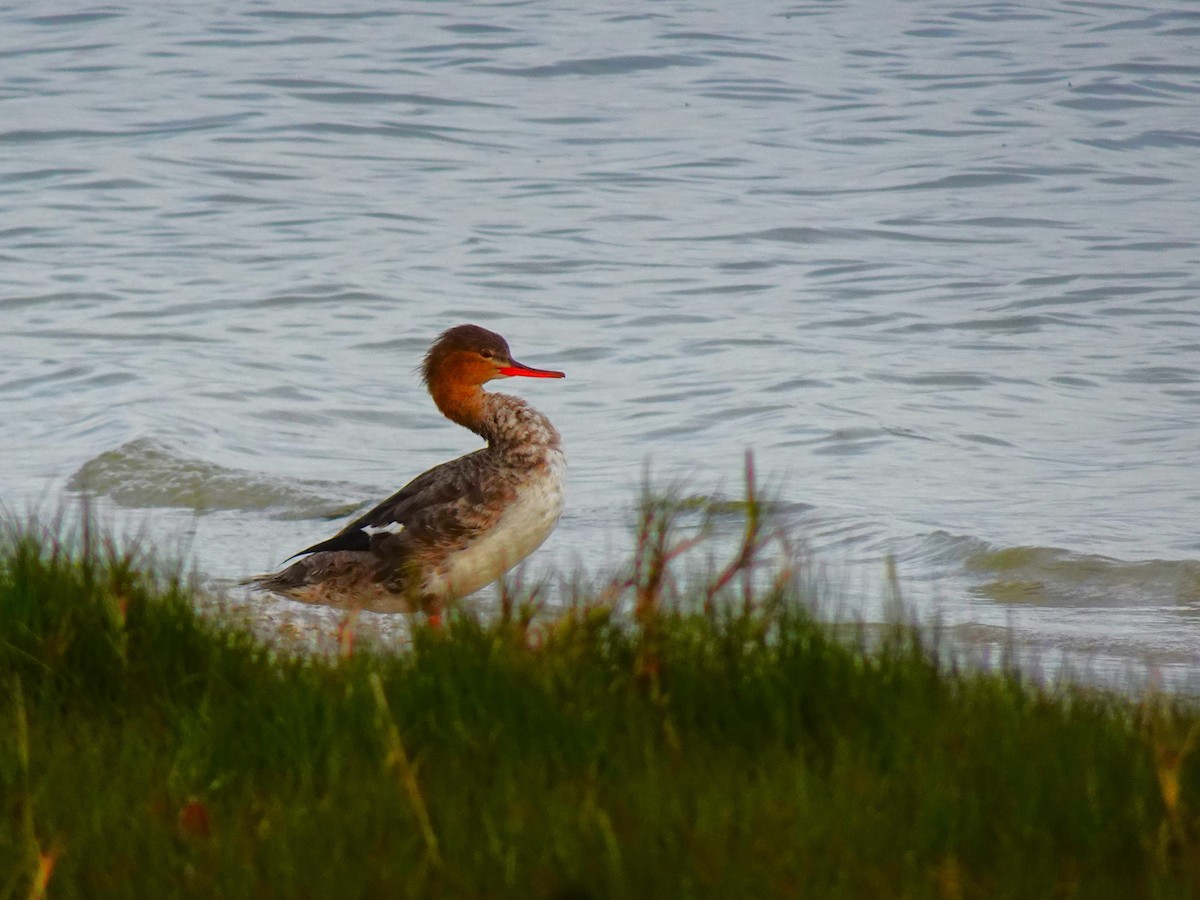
x=936, y=263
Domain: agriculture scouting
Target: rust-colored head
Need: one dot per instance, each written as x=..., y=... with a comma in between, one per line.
x=462, y=359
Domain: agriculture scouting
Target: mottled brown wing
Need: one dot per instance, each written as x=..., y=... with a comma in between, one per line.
x=445, y=505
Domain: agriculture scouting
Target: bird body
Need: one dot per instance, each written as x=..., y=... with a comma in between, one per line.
x=461, y=525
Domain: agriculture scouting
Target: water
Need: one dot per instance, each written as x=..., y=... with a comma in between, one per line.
x=936, y=263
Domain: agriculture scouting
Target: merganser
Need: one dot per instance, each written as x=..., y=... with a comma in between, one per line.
x=462, y=524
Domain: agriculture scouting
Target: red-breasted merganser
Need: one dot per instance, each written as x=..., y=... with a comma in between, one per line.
x=461, y=525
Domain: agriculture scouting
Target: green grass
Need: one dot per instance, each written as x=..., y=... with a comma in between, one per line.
x=701, y=745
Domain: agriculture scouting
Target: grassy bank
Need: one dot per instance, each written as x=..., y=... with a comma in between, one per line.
x=734, y=750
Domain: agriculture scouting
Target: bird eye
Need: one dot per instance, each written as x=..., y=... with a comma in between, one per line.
x=487, y=354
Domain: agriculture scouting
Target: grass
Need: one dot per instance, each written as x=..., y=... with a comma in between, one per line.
x=663, y=738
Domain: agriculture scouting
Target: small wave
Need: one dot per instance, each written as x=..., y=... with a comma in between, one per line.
x=606, y=65
x=1051, y=576
x=146, y=473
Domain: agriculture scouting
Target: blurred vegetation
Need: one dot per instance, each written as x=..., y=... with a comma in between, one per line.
x=660, y=738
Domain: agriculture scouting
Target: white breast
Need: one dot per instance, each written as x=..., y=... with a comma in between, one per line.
x=522, y=528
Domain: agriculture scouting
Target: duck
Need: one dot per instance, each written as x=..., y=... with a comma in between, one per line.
x=461, y=525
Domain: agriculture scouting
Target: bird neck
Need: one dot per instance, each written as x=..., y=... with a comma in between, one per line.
x=505, y=422
x=459, y=402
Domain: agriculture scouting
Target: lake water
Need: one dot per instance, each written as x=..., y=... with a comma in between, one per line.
x=936, y=263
